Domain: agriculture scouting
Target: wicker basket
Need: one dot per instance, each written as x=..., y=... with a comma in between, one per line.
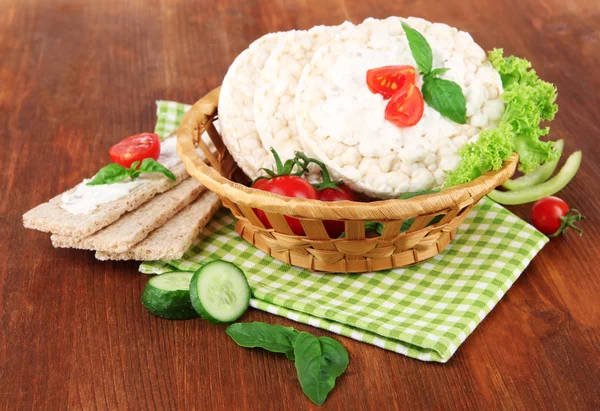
x=315, y=251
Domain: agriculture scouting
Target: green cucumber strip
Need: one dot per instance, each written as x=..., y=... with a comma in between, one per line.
x=539, y=175
x=220, y=292
x=550, y=187
x=168, y=296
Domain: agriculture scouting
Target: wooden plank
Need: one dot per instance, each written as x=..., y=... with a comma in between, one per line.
x=76, y=76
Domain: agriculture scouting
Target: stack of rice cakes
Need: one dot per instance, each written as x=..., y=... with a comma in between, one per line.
x=306, y=91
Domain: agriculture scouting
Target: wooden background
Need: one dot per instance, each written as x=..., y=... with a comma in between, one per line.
x=76, y=76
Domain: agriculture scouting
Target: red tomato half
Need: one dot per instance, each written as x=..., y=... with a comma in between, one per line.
x=389, y=79
x=135, y=148
x=288, y=186
x=336, y=228
x=406, y=107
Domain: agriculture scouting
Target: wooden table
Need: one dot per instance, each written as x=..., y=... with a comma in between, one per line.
x=76, y=76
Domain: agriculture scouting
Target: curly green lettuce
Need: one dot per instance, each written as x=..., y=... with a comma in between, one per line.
x=528, y=101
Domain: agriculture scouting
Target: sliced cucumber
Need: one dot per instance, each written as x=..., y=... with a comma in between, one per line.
x=220, y=292
x=550, y=187
x=168, y=296
x=539, y=175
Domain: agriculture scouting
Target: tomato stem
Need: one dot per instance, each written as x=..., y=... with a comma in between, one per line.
x=278, y=163
x=281, y=168
x=568, y=221
x=327, y=182
x=285, y=169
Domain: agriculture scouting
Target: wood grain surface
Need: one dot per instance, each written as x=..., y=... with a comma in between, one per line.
x=76, y=76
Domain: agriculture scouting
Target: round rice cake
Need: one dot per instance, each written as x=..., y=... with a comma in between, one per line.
x=236, y=106
x=274, y=109
x=342, y=122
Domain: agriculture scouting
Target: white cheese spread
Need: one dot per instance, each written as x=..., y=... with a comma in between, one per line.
x=85, y=199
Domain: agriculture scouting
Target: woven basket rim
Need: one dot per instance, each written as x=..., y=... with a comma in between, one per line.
x=194, y=120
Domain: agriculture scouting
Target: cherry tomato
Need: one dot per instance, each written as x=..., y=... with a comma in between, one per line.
x=135, y=148
x=288, y=186
x=331, y=194
x=260, y=183
x=552, y=216
x=336, y=228
x=406, y=107
x=389, y=79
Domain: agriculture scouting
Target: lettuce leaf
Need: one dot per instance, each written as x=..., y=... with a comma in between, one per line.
x=528, y=101
x=489, y=151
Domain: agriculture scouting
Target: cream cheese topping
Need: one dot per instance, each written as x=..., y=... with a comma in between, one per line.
x=343, y=123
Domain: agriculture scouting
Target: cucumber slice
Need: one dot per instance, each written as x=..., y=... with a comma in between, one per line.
x=539, y=175
x=168, y=296
x=550, y=187
x=220, y=292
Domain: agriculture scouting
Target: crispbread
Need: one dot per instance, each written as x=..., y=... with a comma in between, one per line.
x=236, y=113
x=50, y=217
x=134, y=226
x=170, y=241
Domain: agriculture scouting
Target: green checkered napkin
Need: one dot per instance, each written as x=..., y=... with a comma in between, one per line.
x=168, y=116
x=424, y=311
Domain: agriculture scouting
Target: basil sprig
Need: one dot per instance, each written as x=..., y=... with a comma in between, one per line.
x=113, y=173
x=444, y=96
x=318, y=360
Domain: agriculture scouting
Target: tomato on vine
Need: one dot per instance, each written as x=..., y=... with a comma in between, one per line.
x=552, y=216
x=329, y=190
x=286, y=183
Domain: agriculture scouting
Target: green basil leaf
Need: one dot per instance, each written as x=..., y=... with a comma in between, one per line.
x=274, y=338
x=132, y=171
x=149, y=165
x=109, y=174
x=420, y=49
x=446, y=97
x=437, y=72
x=319, y=361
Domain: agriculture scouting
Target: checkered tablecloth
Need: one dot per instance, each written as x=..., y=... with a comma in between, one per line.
x=425, y=311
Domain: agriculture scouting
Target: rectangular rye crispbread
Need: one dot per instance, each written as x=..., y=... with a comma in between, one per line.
x=134, y=226
x=170, y=241
x=51, y=217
